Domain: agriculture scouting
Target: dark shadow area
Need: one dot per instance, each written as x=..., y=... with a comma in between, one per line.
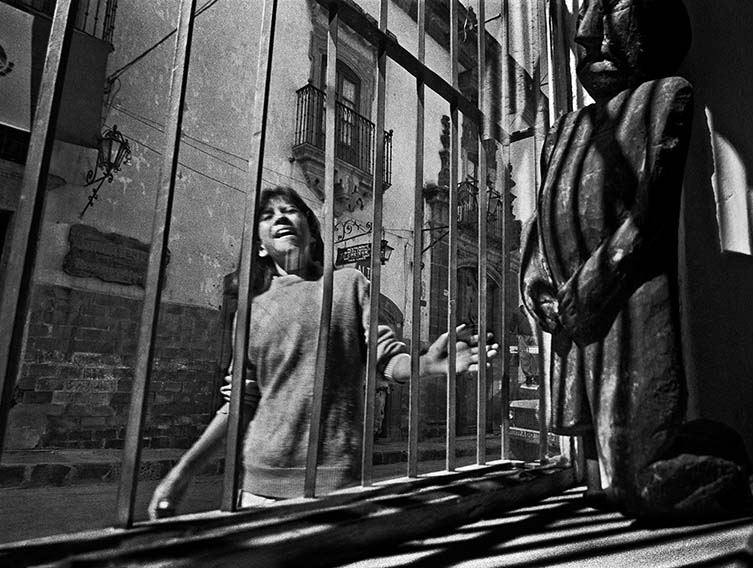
x=717, y=286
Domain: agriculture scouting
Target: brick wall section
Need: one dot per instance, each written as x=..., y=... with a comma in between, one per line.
x=78, y=370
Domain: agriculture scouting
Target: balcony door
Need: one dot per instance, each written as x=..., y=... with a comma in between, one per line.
x=348, y=120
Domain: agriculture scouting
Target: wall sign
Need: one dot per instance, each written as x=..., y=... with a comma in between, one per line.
x=352, y=254
x=107, y=256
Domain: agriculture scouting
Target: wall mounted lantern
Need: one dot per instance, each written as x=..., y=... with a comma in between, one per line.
x=385, y=251
x=113, y=150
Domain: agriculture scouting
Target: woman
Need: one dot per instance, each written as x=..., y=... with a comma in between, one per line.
x=281, y=362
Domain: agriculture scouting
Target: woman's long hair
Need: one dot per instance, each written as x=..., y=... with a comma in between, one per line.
x=264, y=267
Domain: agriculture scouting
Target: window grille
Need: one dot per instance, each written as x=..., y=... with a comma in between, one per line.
x=318, y=113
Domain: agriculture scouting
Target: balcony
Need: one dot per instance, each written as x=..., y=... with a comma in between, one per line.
x=354, y=148
x=93, y=17
x=79, y=119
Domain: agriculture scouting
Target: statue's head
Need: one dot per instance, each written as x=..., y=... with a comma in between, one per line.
x=622, y=43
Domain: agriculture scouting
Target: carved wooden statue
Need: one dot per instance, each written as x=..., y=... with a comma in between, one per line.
x=599, y=269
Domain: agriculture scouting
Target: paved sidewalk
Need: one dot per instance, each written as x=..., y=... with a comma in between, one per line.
x=51, y=467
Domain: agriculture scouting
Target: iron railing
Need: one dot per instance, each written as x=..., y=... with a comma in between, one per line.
x=354, y=133
x=15, y=286
x=93, y=17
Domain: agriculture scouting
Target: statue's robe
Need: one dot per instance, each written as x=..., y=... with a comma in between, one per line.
x=604, y=244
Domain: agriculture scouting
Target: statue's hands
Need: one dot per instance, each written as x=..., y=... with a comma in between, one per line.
x=548, y=309
x=588, y=303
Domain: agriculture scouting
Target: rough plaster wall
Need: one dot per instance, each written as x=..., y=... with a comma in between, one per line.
x=718, y=284
x=211, y=177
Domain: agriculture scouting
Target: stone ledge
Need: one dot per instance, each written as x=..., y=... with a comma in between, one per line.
x=345, y=526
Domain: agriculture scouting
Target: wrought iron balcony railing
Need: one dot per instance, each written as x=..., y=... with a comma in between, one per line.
x=94, y=17
x=354, y=132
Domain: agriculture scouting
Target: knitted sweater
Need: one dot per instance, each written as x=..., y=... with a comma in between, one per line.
x=281, y=365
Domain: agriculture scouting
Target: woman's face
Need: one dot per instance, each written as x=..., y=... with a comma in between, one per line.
x=610, y=47
x=285, y=235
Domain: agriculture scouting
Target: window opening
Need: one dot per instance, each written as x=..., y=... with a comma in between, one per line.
x=342, y=89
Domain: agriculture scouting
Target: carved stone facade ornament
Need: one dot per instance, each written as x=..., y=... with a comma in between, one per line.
x=599, y=271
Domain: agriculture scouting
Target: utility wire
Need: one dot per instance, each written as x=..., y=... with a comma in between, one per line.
x=159, y=128
x=183, y=164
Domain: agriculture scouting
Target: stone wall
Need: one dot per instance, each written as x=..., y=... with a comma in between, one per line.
x=78, y=367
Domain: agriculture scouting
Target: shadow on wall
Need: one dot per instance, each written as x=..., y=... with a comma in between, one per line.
x=716, y=262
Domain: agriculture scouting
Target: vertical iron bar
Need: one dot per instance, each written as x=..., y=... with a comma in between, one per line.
x=580, y=95
x=543, y=397
x=377, y=187
x=233, y=446
x=106, y=21
x=309, y=487
x=155, y=270
x=418, y=221
x=452, y=260
x=546, y=117
x=545, y=70
x=538, y=58
x=482, y=260
x=298, y=107
x=505, y=118
x=560, y=89
x=83, y=19
x=111, y=22
x=96, y=15
x=24, y=234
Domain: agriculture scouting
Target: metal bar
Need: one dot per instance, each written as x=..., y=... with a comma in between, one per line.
x=452, y=259
x=24, y=232
x=418, y=220
x=482, y=260
x=96, y=16
x=580, y=94
x=504, y=99
x=560, y=89
x=538, y=56
x=82, y=19
x=233, y=446
x=299, y=106
x=328, y=234
x=155, y=270
x=111, y=21
x=544, y=69
x=106, y=21
x=543, y=398
x=376, y=264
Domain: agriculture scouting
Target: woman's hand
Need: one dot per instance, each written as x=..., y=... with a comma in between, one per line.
x=435, y=360
x=169, y=493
